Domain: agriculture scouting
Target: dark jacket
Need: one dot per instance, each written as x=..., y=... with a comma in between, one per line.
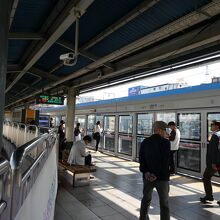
x=213, y=151
x=61, y=132
x=154, y=156
x=76, y=131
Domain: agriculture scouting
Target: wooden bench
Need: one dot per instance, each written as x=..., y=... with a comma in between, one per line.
x=81, y=173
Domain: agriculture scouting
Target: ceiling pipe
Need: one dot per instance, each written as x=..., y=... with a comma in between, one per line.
x=68, y=62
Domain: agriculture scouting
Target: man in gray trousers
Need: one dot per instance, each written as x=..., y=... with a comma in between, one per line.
x=154, y=164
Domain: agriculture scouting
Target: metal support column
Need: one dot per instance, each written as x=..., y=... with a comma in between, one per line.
x=70, y=116
x=4, y=24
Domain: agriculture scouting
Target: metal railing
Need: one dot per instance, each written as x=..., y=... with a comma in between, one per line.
x=5, y=191
x=27, y=161
x=19, y=133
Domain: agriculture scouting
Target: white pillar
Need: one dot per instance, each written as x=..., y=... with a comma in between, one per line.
x=70, y=116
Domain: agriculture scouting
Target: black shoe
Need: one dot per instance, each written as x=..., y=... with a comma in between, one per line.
x=206, y=199
x=218, y=202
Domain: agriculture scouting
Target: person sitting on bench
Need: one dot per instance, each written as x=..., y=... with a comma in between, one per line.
x=78, y=154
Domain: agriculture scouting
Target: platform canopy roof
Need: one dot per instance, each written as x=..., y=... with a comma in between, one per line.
x=117, y=40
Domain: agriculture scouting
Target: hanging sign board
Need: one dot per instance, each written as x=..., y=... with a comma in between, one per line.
x=50, y=99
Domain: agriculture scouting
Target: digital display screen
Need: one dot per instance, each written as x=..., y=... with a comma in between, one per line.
x=50, y=99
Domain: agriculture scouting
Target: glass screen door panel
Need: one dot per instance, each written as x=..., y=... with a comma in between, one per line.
x=90, y=123
x=190, y=126
x=165, y=116
x=109, y=142
x=109, y=133
x=125, y=145
x=145, y=124
x=139, y=141
x=125, y=131
x=189, y=154
x=101, y=119
x=144, y=129
x=82, y=120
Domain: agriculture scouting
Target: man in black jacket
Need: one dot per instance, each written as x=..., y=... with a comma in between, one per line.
x=154, y=164
x=212, y=162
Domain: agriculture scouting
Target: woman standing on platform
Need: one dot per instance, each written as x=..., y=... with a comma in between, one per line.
x=77, y=132
x=96, y=134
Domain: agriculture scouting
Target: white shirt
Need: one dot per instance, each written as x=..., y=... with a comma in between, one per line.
x=174, y=145
x=77, y=153
x=97, y=129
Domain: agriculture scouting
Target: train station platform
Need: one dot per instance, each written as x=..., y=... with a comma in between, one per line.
x=115, y=193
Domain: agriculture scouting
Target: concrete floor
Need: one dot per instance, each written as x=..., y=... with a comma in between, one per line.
x=116, y=191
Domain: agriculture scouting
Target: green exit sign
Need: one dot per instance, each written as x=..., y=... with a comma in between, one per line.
x=50, y=99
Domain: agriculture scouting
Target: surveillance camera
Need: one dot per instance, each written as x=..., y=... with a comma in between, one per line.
x=67, y=56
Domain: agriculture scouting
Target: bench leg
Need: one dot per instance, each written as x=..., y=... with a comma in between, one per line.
x=73, y=179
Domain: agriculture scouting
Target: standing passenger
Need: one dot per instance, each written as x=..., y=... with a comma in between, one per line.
x=61, y=137
x=154, y=164
x=77, y=132
x=212, y=162
x=96, y=135
x=51, y=122
x=174, y=144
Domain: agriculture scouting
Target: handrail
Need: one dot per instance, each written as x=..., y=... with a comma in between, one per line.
x=18, y=156
x=4, y=165
x=4, y=169
x=40, y=147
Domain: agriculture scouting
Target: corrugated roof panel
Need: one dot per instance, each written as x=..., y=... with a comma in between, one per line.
x=31, y=14
x=156, y=17
x=16, y=49
x=41, y=84
x=29, y=78
x=98, y=17
x=51, y=57
x=65, y=70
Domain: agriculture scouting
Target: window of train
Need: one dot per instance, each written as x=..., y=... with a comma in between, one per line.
x=144, y=128
x=109, y=133
x=125, y=135
x=189, y=153
x=90, y=124
x=82, y=120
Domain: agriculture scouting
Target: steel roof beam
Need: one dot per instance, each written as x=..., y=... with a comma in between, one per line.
x=43, y=74
x=34, y=71
x=13, y=10
x=142, y=7
x=66, y=22
x=24, y=36
x=86, y=54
